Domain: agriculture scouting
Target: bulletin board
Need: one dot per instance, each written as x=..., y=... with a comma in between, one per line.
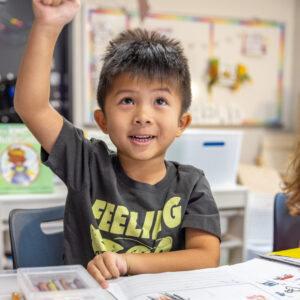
x=249, y=56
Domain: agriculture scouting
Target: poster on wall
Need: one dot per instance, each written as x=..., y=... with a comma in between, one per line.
x=236, y=65
x=253, y=54
x=21, y=170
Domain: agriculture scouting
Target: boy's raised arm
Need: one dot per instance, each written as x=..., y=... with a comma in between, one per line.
x=33, y=83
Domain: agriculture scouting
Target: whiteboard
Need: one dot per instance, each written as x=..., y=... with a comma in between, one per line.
x=230, y=41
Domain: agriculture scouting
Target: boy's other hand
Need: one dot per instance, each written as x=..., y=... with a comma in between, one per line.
x=55, y=12
x=106, y=266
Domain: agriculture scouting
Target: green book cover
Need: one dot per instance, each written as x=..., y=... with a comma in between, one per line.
x=21, y=170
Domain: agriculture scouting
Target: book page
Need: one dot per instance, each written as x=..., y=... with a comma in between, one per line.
x=255, y=279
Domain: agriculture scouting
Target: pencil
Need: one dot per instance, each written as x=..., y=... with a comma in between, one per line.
x=64, y=284
x=51, y=285
x=43, y=286
x=58, y=285
x=72, y=285
x=79, y=284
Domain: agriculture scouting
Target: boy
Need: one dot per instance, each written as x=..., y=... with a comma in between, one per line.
x=130, y=212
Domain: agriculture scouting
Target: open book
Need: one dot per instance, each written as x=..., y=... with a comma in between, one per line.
x=290, y=256
x=256, y=279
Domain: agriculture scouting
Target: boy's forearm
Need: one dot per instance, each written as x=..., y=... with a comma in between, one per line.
x=33, y=82
x=183, y=260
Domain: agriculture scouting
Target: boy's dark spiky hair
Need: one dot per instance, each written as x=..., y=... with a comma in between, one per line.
x=147, y=54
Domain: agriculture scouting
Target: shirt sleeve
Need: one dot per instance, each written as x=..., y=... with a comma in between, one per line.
x=69, y=157
x=202, y=212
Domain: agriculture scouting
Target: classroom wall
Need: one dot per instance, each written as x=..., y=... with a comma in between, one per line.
x=296, y=74
x=269, y=10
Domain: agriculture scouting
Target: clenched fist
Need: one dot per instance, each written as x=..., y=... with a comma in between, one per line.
x=55, y=13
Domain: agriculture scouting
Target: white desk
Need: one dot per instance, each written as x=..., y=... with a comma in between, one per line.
x=229, y=199
x=254, y=279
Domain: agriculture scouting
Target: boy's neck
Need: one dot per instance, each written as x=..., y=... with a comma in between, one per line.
x=150, y=172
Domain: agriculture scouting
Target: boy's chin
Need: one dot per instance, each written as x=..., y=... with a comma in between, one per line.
x=142, y=157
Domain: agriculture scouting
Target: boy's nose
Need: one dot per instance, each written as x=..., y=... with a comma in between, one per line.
x=141, y=118
x=142, y=121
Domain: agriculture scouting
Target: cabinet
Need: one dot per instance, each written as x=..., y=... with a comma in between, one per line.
x=230, y=201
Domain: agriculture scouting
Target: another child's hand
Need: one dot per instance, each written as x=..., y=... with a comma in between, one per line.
x=55, y=12
x=106, y=266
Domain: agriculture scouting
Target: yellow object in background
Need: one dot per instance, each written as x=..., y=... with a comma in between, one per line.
x=293, y=253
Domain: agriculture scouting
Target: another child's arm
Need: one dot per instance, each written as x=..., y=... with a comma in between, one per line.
x=33, y=83
x=202, y=251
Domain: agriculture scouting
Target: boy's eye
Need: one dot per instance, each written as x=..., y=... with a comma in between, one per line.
x=160, y=101
x=126, y=101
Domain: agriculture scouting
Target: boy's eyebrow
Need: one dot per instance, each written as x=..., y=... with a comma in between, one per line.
x=163, y=90
x=133, y=91
x=124, y=91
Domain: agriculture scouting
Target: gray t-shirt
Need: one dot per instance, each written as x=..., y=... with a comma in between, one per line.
x=108, y=211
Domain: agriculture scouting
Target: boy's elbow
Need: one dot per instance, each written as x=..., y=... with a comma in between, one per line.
x=17, y=105
x=215, y=262
x=212, y=261
x=209, y=259
x=20, y=112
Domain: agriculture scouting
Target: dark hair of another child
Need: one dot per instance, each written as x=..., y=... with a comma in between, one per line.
x=145, y=54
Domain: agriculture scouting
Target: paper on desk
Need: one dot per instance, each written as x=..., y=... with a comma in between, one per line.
x=282, y=281
x=256, y=279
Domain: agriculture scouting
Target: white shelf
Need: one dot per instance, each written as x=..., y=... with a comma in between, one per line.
x=229, y=242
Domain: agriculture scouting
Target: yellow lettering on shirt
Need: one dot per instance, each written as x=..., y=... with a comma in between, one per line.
x=98, y=208
x=147, y=224
x=107, y=216
x=131, y=227
x=119, y=220
x=172, y=212
x=157, y=226
x=118, y=225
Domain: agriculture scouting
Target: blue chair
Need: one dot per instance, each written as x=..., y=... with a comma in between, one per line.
x=31, y=247
x=286, y=227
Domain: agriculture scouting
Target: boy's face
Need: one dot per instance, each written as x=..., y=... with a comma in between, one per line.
x=142, y=117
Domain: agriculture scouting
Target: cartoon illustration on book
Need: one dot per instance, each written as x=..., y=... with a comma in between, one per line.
x=19, y=164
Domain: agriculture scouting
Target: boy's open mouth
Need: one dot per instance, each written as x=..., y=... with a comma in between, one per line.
x=141, y=138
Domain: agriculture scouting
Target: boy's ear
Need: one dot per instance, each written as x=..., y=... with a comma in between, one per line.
x=184, y=121
x=100, y=120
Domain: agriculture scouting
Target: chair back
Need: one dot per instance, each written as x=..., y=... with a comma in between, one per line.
x=31, y=247
x=286, y=227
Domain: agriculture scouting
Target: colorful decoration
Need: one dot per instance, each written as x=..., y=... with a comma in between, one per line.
x=21, y=170
x=16, y=22
x=254, y=45
x=13, y=29
x=226, y=78
x=241, y=77
x=213, y=73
